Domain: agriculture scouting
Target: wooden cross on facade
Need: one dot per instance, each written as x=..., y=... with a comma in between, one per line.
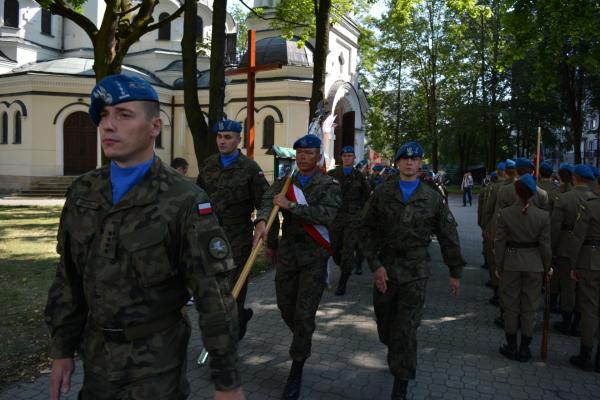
x=251, y=71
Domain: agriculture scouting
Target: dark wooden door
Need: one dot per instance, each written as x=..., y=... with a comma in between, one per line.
x=80, y=144
x=348, y=129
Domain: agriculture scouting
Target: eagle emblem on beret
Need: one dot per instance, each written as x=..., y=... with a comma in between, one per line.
x=103, y=94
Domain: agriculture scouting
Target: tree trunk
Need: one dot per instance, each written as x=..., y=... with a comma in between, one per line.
x=193, y=111
x=320, y=56
x=217, y=69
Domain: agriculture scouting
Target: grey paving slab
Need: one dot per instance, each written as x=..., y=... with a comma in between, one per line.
x=458, y=346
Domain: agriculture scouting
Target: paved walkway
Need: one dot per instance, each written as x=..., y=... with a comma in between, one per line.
x=458, y=346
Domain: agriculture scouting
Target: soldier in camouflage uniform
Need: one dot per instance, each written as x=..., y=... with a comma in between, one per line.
x=584, y=253
x=235, y=185
x=523, y=255
x=397, y=224
x=344, y=238
x=133, y=237
x=377, y=176
x=309, y=208
x=564, y=215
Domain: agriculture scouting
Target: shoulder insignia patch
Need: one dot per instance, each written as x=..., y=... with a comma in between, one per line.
x=218, y=248
x=204, y=208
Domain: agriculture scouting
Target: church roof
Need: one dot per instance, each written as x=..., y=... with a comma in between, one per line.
x=280, y=50
x=203, y=81
x=82, y=67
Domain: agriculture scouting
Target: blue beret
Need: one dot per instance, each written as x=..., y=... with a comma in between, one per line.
x=493, y=174
x=115, y=89
x=347, y=149
x=409, y=150
x=529, y=182
x=583, y=171
x=596, y=171
x=523, y=162
x=546, y=166
x=308, y=142
x=566, y=166
x=227, y=125
x=378, y=168
x=510, y=164
x=501, y=166
x=362, y=163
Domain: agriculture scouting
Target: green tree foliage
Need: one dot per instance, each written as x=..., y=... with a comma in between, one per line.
x=123, y=23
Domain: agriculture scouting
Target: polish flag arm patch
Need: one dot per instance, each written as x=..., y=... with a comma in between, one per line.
x=204, y=209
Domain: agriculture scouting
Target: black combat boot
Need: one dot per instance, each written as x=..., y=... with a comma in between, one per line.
x=341, y=288
x=597, y=366
x=399, y=389
x=524, y=351
x=554, y=308
x=564, y=326
x=294, y=381
x=584, y=359
x=509, y=349
x=575, y=325
x=495, y=300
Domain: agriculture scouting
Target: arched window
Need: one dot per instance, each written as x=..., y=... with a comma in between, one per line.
x=46, y=22
x=164, y=32
x=11, y=13
x=17, y=137
x=4, y=137
x=268, y=132
x=199, y=30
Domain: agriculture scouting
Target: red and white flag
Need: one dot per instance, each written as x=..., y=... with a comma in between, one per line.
x=318, y=232
x=204, y=208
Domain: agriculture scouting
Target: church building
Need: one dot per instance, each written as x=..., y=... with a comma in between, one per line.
x=46, y=76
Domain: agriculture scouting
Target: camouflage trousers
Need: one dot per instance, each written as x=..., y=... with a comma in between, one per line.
x=566, y=285
x=520, y=296
x=240, y=239
x=398, y=312
x=299, y=289
x=147, y=368
x=588, y=303
x=344, y=242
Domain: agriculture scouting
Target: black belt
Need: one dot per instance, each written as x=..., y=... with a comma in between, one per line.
x=591, y=242
x=130, y=333
x=523, y=245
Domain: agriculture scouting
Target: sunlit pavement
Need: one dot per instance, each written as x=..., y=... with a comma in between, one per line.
x=458, y=345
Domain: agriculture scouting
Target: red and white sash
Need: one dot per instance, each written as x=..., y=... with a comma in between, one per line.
x=318, y=232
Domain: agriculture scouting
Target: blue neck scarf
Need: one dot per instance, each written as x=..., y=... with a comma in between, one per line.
x=408, y=188
x=347, y=170
x=123, y=179
x=304, y=179
x=227, y=160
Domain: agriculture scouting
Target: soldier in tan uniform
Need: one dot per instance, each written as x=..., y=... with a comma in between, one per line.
x=564, y=216
x=523, y=255
x=545, y=182
x=584, y=247
x=565, y=176
x=481, y=202
x=499, y=196
x=134, y=236
x=235, y=185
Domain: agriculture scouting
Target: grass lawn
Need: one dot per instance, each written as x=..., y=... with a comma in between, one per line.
x=27, y=265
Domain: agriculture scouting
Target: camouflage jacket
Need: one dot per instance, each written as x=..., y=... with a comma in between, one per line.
x=355, y=190
x=324, y=199
x=522, y=241
x=130, y=264
x=564, y=215
x=236, y=190
x=396, y=235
